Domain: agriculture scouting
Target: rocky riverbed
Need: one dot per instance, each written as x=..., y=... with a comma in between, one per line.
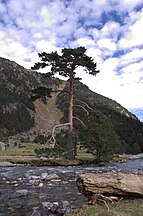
x=35, y=191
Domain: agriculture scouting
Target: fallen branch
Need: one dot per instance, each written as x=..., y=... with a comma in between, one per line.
x=102, y=200
x=59, y=90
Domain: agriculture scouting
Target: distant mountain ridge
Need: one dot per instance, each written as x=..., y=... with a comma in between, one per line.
x=20, y=115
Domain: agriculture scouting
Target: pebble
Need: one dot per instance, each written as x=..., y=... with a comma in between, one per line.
x=40, y=185
x=35, y=213
x=23, y=192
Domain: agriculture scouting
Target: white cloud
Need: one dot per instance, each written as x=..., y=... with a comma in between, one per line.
x=135, y=67
x=96, y=54
x=87, y=42
x=107, y=44
x=132, y=31
x=43, y=45
x=126, y=88
x=111, y=29
x=47, y=16
x=131, y=3
x=37, y=35
x=132, y=56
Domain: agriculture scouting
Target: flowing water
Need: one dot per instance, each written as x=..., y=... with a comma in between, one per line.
x=57, y=190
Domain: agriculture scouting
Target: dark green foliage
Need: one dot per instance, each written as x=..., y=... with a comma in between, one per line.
x=50, y=152
x=15, y=103
x=40, y=139
x=40, y=92
x=3, y=137
x=15, y=118
x=60, y=149
x=67, y=62
x=130, y=131
x=99, y=136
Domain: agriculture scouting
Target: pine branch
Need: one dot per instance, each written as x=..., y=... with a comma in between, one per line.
x=74, y=117
x=52, y=138
x=61, y=91
x=41, y=91
x=84, y=104
x=82, y=108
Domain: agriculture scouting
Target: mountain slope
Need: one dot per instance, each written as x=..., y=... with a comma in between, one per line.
x=26, y=118
x=17, y=110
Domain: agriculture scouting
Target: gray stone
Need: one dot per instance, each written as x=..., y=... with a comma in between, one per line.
x=34, y=177
x=47, y=205
x=54, y=207
x=35, y=213
x=59, y=208
x=44, y=176
x=23, y=192
x=64, y=207
x=6, y=164
x=51, y=177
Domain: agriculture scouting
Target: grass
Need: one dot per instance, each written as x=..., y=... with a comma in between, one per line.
x=83, y=155
x=20, y=155
x=27, y=154
x=128, y=207
x=27, y=150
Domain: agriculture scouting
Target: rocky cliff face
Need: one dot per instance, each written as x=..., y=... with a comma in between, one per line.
x=22, y=117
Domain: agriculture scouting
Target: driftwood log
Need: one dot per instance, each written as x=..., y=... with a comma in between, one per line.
x=111, y=184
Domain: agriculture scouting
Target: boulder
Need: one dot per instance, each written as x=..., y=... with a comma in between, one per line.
x=111, y=184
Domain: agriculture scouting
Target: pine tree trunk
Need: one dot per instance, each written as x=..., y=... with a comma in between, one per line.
x=75, y=148
x=98, y=159
x=71, y=154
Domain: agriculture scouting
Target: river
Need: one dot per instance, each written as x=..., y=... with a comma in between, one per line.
x=58, y=189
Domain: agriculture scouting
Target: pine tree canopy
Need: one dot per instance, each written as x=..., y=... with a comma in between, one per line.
x=67, y=62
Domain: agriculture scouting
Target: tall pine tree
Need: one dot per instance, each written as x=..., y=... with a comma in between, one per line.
x=66, y=65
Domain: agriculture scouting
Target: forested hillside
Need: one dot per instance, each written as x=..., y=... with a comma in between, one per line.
x=18, y=111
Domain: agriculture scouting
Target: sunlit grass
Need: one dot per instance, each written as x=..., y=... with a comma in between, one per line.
x=83, y=155
x=128, y=207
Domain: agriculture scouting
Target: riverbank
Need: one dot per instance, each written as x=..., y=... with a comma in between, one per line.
x=11, y=160
x=125, y=207
x=34, y=161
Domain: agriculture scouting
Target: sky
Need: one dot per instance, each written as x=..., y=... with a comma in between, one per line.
x=110, y=30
